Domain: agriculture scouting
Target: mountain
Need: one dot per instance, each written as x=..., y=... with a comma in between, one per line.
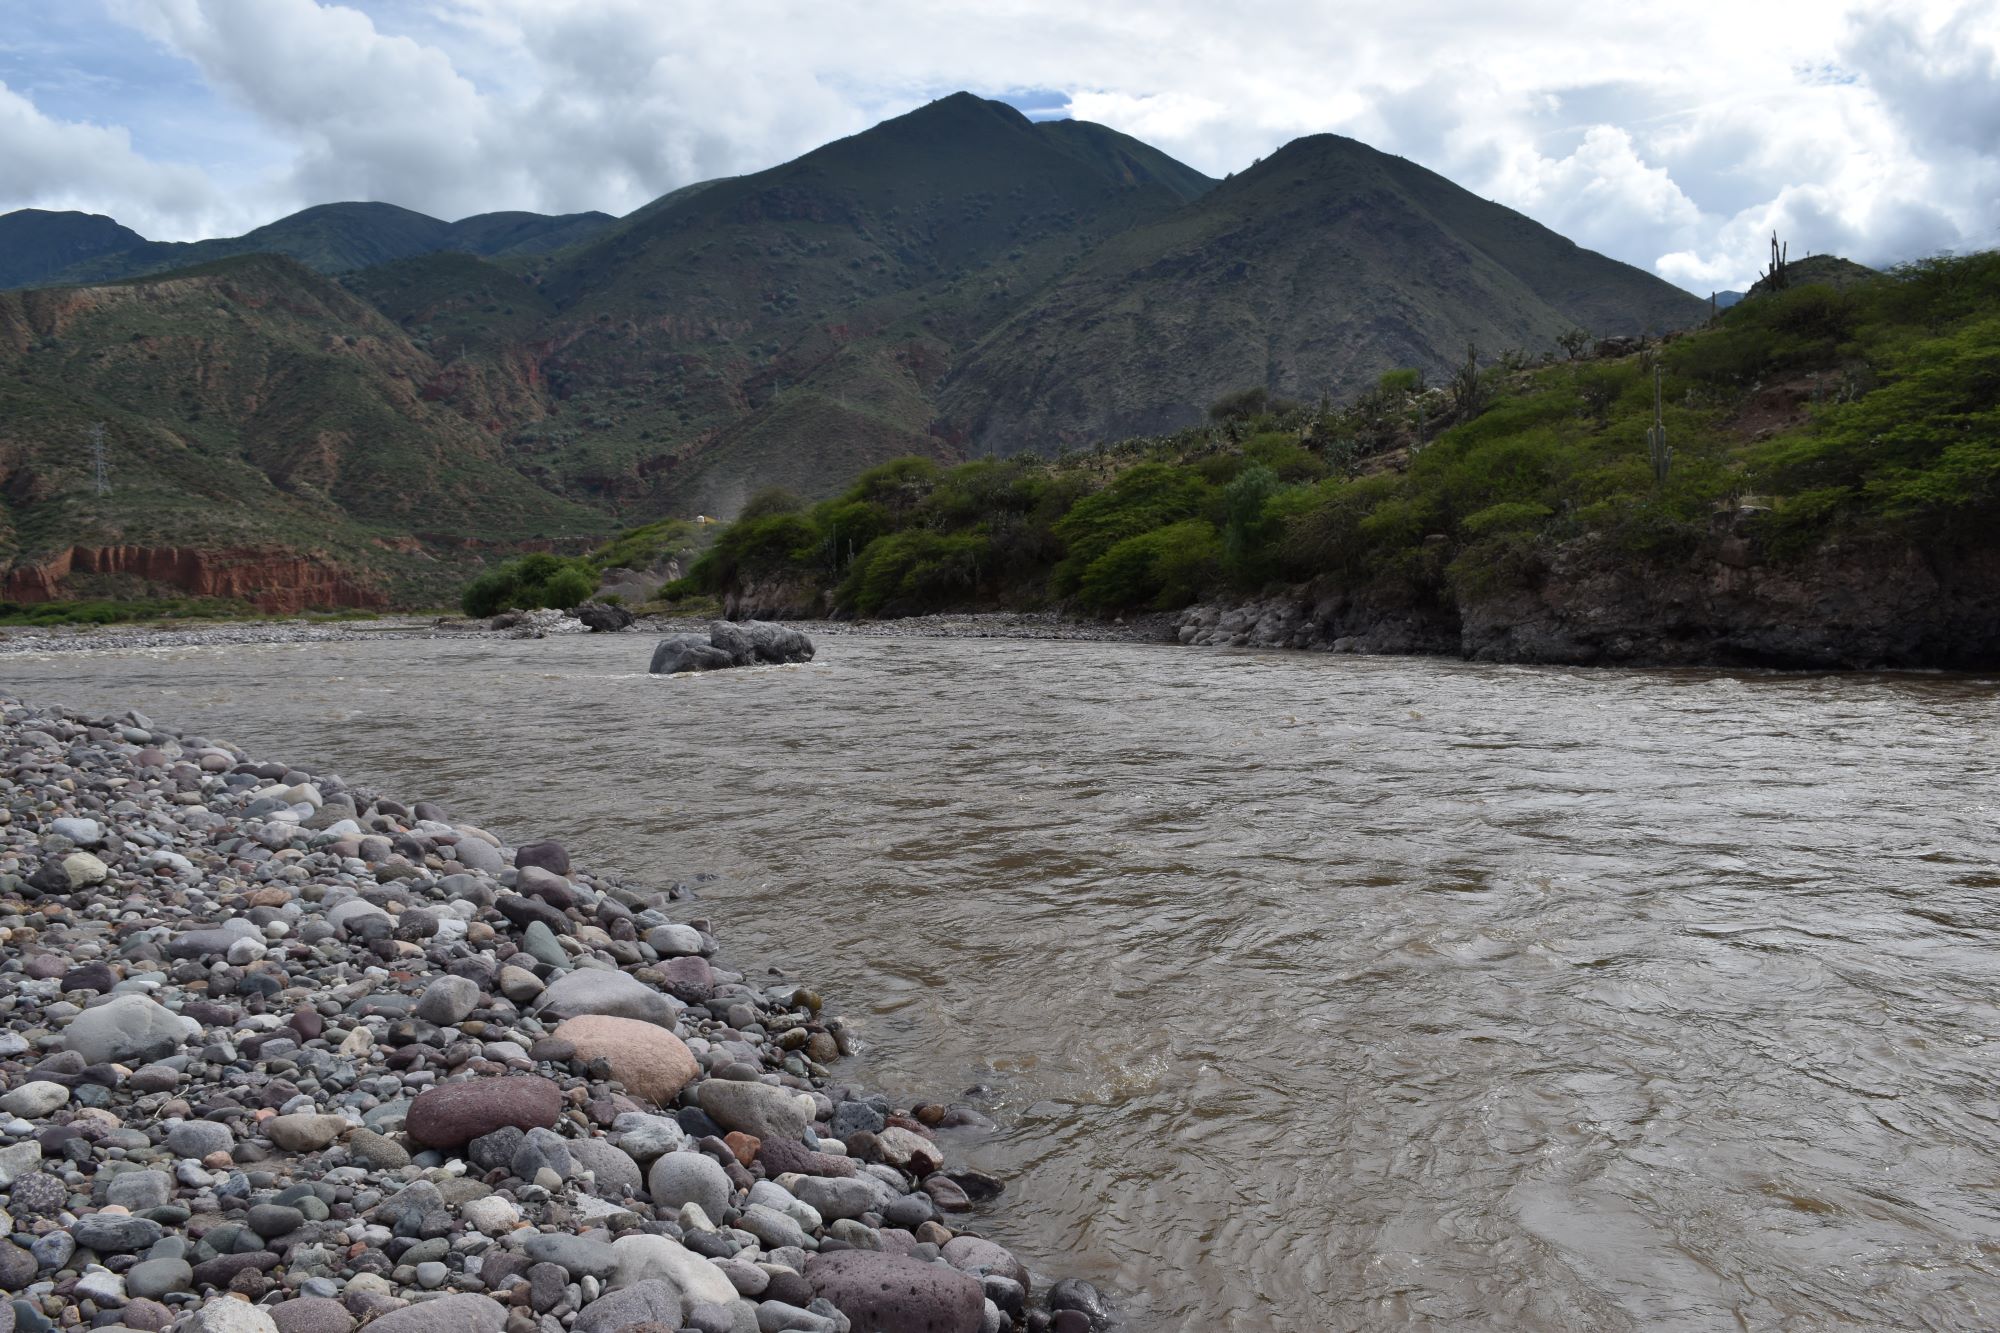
x=1311, y=273
x=331, y=238
x=789, y=327
x=253, y=405
x=393, y=390
x=35, y=244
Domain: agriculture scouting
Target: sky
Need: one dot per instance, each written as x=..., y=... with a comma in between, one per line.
x=1674, y=136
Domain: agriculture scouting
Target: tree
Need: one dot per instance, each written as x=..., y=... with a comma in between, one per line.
x=1469, y=389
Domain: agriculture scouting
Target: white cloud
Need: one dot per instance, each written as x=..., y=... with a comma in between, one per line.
x=54, y=164
x=1673, y=137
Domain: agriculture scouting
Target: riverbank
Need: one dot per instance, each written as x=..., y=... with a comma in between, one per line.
x=974, y=625
x=284, y=1055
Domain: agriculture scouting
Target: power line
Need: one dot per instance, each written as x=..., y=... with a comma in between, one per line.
x=100, y=460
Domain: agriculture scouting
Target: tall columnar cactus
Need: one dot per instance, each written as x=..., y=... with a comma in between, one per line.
x=1776, y=275
x=1657, y=447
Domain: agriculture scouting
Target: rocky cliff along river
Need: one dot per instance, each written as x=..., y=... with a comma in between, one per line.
x=1312, y=992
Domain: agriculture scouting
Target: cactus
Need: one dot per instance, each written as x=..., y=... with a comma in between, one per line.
x=1657, y=447
x=1776, y=275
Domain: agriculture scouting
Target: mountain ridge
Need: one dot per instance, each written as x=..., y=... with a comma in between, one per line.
x=954, y=281
x=1312, y=272
x=332, y=238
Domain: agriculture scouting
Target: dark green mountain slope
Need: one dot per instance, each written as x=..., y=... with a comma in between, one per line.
x=36, y=244
x=331, y=238
x=1311, y=273
x=791, y=325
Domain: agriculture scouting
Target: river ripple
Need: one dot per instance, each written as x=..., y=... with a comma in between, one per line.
x=1314, y=992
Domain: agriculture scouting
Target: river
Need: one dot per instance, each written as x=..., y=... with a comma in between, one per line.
x=1312, y=992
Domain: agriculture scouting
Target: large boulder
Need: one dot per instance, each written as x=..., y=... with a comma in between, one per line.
x=727, y=645
x=890, y=1293
x=648, y=1059
x=687, y=652
x=453, y=1114
x=603, y=617
x=776, y=643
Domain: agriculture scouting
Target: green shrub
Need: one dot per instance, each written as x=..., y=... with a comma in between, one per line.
x=529, y=583
x=1149, y=496
x=1507, y=516
x=647, y=546
x=771, y=500
x=1246, y=530
x=1283, y=454
x=1162, y=569
x=756, y=548
x=1902, y=437
x=1240, y=405
x=909, y=573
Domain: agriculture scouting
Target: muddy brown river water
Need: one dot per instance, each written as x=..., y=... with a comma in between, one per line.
x=1312, y=992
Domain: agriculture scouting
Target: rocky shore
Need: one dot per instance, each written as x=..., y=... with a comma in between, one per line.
x=1045, y=625
x=197, y=634
x=283, y=1055
x=1862, y=605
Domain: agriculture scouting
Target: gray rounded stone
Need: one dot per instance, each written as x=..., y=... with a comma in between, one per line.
x=199, y=1138
x=447, y=1314
x=126, y=1030
x=447, y=1000
x=755, y=1108
x=312, y=1314
x=650, y=1302
x=617, y=1175
x=154, y=1278
x=679, y=1178
x=616, y=994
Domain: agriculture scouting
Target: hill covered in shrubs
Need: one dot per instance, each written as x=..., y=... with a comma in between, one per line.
x=1811, y=429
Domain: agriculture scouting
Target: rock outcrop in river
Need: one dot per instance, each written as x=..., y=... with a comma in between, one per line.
x=283, y=1055
x=730, y=645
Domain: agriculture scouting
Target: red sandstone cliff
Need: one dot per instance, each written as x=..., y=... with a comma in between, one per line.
x=271, y=580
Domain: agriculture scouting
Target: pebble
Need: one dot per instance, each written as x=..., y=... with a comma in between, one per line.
x=33, y=1100
x=680, y=1178
x=456, y=1113
x=126, y=1030
x=199, y=1138
x=648, y=1059
x=304, y=1132
x=311, y=1314
x=447, y=1000
x=153, y=1278
x=755, y=1108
